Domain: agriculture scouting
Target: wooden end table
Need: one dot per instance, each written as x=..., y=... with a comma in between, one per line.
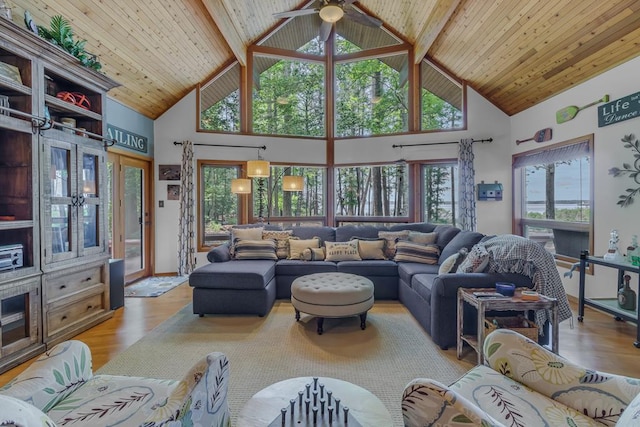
x=514, y=303
x=265, y=405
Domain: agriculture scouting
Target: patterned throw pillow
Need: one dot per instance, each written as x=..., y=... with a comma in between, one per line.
x=296, y=246
x=371, y=249
x=476, y=261
x=423, y=238
x=392, y=237
x=282, y=241
x=342, y=251
x=312, y=254
x=255, y=249
x=415, y=252
x=245, y=233
x=451, y=264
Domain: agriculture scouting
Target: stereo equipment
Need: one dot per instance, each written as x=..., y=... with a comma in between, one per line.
x=10, y=257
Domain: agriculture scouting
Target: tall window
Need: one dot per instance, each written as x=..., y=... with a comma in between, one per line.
x=372, y=191
x=220, y=101
x=219, y=207
x=554, y=205
x=439, y=183
x=274, y=205
x=441, y=99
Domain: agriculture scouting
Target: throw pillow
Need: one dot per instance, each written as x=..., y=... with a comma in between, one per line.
x=342, y=251
x=371, y=249
x=255, y=249
x=296, y=246
x=16, y=412
x=282, y=241
x=392, y=237
x=415, y=252
x=423, y=238
x=312, y=254
x=476, y=261
x=253, y=233
x=451, y=264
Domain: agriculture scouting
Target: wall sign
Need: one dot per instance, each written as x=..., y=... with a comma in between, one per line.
x=619, y=110
x=127, y=139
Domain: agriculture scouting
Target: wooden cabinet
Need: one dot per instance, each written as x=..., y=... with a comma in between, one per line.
x=54, y=277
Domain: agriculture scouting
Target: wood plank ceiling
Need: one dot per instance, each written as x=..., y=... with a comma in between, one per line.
x=516, y=53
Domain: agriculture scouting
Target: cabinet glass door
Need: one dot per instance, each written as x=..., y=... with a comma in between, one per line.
x=91, y=170
x=62, y=201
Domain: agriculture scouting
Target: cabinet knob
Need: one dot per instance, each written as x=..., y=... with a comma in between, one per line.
x=63, y=287
x=88, y=279
x=64, y=318
x=89, y=307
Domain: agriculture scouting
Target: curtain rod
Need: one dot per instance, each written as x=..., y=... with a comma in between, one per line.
x=439, y=143
x=262, y=147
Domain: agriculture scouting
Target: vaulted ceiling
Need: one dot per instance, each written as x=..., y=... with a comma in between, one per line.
x=516, y=53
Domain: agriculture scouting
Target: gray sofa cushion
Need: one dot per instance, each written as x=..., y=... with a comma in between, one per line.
x=346, y=232
x=445, y=234
x=422, y=283
x=219, y=253
x=369, y=268
x=294, y=267
x=249, y=274
x=423, y=227
x=406, y=270
x=324, y=233
x=464, y=239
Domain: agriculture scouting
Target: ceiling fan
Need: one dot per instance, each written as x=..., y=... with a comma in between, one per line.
x=331, y=11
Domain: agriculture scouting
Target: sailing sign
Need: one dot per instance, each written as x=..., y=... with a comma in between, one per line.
x=619, y=110
x=127, y=139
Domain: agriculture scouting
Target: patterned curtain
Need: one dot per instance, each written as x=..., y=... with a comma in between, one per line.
x=466, y=186
x=186, y=247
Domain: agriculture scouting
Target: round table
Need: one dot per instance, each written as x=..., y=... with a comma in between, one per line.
x=265, y=405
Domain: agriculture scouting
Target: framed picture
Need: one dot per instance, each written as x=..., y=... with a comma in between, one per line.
x=169, y=172
x=173, y=192
x=10, y=72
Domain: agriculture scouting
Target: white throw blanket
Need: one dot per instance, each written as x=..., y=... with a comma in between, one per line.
x=509, y=253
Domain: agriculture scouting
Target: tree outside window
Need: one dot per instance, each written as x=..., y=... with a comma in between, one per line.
x=218, y=205
x=439, y=193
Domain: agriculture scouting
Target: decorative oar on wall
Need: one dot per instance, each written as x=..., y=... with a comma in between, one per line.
x=568, y=113
x=541, y=136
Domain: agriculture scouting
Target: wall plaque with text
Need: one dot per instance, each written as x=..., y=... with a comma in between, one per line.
x=127, y=139
x=619, y=110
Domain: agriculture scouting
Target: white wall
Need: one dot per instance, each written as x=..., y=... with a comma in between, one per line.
x=608, y=152
x=179, y=122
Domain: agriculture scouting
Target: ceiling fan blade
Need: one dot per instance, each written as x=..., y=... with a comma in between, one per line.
x=325, y=30
x=294, y=13
x=361, y=18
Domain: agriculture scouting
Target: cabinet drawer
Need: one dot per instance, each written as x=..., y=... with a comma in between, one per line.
x=64, y=316
x=58, y=287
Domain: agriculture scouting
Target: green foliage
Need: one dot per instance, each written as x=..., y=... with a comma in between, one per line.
x=568, y=215
x=61, y=34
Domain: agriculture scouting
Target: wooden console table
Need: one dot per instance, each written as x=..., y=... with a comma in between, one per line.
x=608, y=305
x=514, y=303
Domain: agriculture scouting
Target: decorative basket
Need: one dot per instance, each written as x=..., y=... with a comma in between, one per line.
x=513, y=323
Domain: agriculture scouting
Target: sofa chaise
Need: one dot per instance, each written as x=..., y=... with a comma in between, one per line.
x=231, y=286
x=59, y=388
x=524, y=384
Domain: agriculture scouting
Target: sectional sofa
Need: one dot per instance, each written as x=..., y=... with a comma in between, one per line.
x=231, y=286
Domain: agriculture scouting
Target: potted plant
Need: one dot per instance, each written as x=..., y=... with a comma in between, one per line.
x=61, y=34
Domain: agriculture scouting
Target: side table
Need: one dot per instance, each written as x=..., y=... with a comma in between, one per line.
x=514, y=303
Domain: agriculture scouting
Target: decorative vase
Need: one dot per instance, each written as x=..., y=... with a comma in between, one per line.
x=626, y=295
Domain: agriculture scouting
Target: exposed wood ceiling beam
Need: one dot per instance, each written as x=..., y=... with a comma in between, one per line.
x=438, y=18
x=226, y=20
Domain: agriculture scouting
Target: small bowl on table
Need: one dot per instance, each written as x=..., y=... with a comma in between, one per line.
x=505, y=288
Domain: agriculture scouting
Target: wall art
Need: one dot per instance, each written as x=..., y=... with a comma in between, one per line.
x=633, y=170
x=169, y=172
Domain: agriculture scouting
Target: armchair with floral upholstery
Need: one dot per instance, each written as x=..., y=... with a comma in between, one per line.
x=59, y=388
x=524, y=384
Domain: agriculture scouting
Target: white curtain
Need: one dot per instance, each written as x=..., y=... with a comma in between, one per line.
x=186, y=247
x=466, y=186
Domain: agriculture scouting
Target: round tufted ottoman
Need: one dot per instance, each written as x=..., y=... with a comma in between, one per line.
x=332, y=295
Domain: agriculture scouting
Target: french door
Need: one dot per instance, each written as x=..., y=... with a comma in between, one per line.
x=130, y=214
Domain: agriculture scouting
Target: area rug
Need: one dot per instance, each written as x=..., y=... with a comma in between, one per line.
x=383, y=358
x=154, y=286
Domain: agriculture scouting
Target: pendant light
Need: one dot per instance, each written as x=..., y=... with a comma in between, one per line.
x=292, y=183
x=241, y=186
x=258, y=168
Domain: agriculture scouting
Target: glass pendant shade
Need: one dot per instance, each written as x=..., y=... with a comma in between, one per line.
x=331, y=13
x=258, y=169
x=241, y=186
x=292, y=183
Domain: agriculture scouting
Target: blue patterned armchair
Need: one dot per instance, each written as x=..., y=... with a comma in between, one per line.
x=524, y=384
x=59, y=388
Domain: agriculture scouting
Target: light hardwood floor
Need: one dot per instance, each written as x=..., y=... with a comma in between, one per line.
x=599, y=342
